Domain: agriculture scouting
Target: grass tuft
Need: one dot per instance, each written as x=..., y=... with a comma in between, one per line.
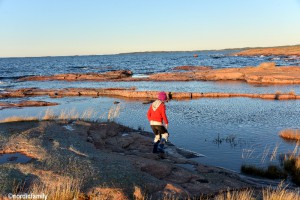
x=64, y=188
x=290, y=134
x=234, y=195
x=291, y=164
x=272, y=172
x=18, y=119
x=292, y=92
x=139, y=194
x=280, y=193
x=49, y=115
x=66, y=115
x=113, y=113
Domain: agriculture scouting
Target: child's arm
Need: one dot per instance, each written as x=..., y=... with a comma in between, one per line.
x=164, y=116
x=149, y=113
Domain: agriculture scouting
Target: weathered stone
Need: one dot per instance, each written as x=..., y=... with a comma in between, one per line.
x=286, y=96
x=265, y=73
x=89, y=92
x=110, y=168
x=156, y=169
x=192, y=68
x=111, y=75
x=179, y=175
x=181, y=95
x=106, y=193
x=28, y=104
x=133, y=94
x=174, y=191
x=267, y=65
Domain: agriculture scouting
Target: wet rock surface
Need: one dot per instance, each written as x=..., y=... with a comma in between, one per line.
x=26, y=104
x=192, y=68
x=130, y=93
x=108, y=157
x=265, y=73
x=111, y=75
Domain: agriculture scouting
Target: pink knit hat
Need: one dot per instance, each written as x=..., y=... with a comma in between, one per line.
x=162, y=96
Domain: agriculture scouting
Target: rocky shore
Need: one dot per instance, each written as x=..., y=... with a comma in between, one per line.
x=107, y=76
x=132, y=93
x=192, y=68
x=109, y=160
x=275, y=51
x=4, y=105
x=265, y=73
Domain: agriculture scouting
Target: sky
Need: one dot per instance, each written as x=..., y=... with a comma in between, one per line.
x=95, y=27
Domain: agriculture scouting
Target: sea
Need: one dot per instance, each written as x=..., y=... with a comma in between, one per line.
x=224, y=132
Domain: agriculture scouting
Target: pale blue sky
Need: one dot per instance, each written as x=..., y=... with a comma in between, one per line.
x=84, y=27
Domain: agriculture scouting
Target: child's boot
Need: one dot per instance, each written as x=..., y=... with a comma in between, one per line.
x=161, y=146
x=155, y=147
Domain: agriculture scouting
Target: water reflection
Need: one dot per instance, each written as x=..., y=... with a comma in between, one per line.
x=229, y=132
x=14, y=158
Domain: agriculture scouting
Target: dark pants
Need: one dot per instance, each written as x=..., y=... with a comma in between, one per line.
x=161, y=136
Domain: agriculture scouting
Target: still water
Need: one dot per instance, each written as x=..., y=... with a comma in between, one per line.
x=227, y=131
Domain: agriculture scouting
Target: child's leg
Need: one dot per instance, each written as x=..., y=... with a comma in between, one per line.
x=164, y=138
x=156, y=139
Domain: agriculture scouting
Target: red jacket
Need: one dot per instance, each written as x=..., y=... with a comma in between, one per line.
x=157, y=112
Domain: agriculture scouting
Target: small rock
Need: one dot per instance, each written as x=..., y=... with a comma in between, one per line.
x=148, y=101
x=89, y=139
x=267, y=65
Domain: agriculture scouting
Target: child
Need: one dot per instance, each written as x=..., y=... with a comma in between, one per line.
x=159, y=122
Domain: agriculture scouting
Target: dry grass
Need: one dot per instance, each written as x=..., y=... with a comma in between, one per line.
x=236, y=195
x=65, y=188
x=68, y=115
x=71, y=148
x=49, y=115
x=89, y=114
x=292, y=92
x=271, y=172
x=295, y=160
x=139, y=194
x=280, y=193
x=18, y=119
x=291, y=164
x=290, y=134
x=274, y=153
x=113, y=112
x=68, y=189
x=289, y=167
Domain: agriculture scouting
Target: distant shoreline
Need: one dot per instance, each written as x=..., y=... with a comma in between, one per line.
x=271, y=51
x=149, y=52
